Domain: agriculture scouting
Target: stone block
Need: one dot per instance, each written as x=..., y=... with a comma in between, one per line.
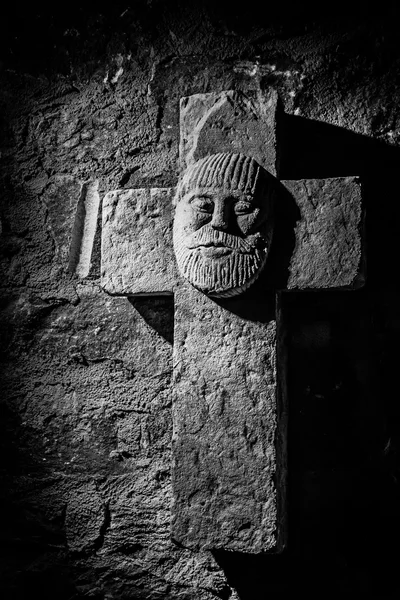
x=225, y=427
x=229, y=121
x=85, y=517
x=61, y=199
x=137, y=254
x=328, y=250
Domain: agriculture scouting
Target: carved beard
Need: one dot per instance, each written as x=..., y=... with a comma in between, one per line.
x=225, y=275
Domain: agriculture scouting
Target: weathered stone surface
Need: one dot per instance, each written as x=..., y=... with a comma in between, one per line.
x=61, y=197
x=225, y=420
x=229, y=121
x=85, y=518
x=137, y=255
x=37, y=221
x=328, y=251
x=92, y=458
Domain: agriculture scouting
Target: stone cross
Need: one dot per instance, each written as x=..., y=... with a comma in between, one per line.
x=229, y=400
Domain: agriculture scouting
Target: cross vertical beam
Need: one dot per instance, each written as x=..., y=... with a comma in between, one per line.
x=224, y=456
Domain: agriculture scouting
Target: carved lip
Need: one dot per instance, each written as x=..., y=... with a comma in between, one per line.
x=219, y=245
x=211, y=244
x=214, y=251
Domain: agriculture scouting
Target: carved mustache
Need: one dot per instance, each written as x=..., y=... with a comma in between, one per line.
x=207, y=236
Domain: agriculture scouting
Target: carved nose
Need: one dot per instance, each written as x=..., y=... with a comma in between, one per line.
x=220, y=218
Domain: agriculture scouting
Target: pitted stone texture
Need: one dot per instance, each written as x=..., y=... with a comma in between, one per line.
x=225, y=420
x=61, y=199
x=328, y=250
x=85, y=518
x=137, y=254
x=82, y=381
x=37, y=220
x=229, y=121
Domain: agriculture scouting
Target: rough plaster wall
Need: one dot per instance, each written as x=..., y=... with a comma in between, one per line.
x=90, y=101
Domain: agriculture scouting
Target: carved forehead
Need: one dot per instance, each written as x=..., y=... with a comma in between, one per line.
x=223, y=170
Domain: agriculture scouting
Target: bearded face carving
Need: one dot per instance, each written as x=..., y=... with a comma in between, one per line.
x=223, y=223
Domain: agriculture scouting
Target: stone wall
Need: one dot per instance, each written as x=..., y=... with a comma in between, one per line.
x=90, y=102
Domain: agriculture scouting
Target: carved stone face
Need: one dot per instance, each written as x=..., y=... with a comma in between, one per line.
x=223, y=223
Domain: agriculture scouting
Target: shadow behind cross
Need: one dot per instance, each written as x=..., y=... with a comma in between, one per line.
x=158, y=312
x=317, y=150
x=324, y=530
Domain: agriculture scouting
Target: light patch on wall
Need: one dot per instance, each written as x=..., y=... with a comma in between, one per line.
x=117, y=75
x=254, y=68
x=84, y=229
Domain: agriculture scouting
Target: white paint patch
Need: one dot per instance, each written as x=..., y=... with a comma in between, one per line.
x=254, y=68
x=117, y=75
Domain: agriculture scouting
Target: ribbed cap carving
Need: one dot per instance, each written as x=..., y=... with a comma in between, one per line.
x=222, y=170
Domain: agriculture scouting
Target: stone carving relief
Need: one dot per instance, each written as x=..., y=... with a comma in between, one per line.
x=223, y=223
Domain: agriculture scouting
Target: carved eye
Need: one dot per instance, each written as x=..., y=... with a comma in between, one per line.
x=243, y=208
x=202, y=204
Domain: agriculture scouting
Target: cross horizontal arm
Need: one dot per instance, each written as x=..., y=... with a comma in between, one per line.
x=136, y=252
x=328, y=249
x=138, y=258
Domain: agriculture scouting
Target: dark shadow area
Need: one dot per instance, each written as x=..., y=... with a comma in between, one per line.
x=314, y=150
x=256, y=304
x=158, y=312
x=251, y=574
x=344, y=416
x=344, y=442
x=338, y=487
x=286, y=215
x=41, y=27
x=35, y=561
